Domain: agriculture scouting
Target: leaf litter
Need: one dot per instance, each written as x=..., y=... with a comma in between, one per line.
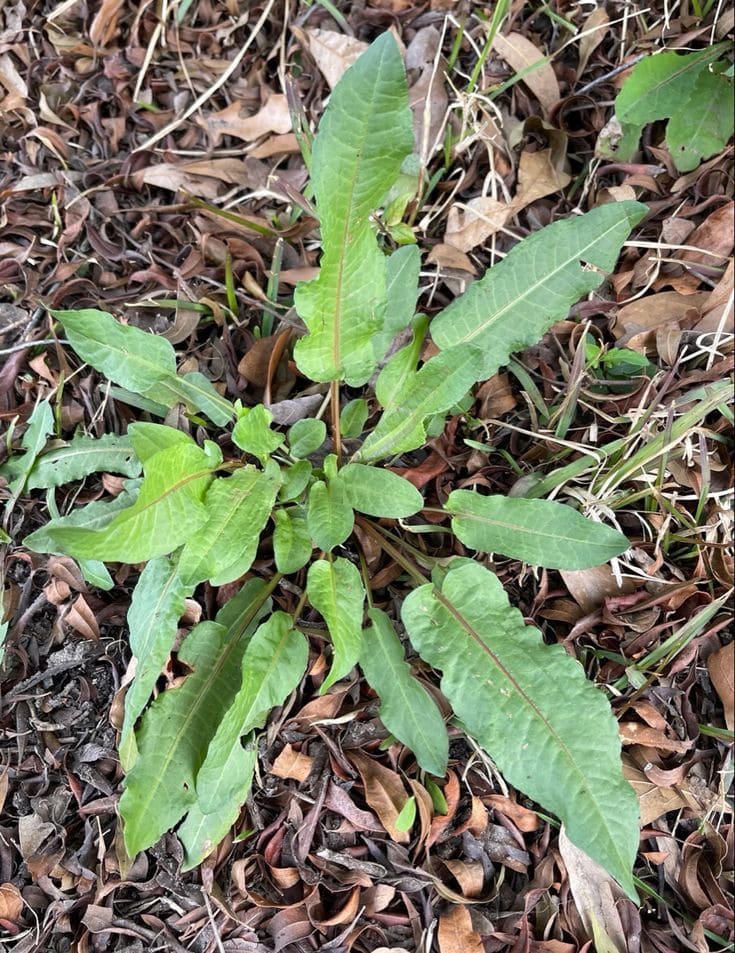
x=111, y=200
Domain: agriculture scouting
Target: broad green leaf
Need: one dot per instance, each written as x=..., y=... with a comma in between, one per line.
x=174, y=735
x=353, y=416
x=148, y=439
x=364, y=136
x=223, y=548
x=252, y=432
x=82, y=456
x=126, y=355
x=200, y=833
x=536, y=284
x=540, y=532
x=168, y=509
x=441, y=382
x=402, y=270
x=155, y=609
x=272, y=666
x=197, y=393
x=659, y=85
x=292, y=544
x=702, y=126
x=306, y=436
x=380, y=492
x=93, y=517
x=550, y=730
x=295, y=480
x=17, y=470
x=335, y=590
x=329, y=515
x=406, y=708
x=407, y=815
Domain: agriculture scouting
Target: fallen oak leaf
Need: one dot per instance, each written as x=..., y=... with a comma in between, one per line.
x=273, y=116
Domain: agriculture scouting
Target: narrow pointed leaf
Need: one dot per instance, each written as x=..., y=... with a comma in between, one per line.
x=536, y=284
x=168, y=509
x=335, y=590
x=40, y=425
x=379, y=492
x=200, y=833
x=175, y=733
x=406, y=708
x=156, y=607
x=82, y=456
x=272, y=666
x=364, y=136
x=550, y=730
x=223, y=548
x=93, y=517
x=329, y=515
x=437, y=387
x=540, y=532
x=292, y=546
x=196, y=392
x=177, y=728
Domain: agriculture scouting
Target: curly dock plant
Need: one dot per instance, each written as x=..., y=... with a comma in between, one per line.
x=193, y=516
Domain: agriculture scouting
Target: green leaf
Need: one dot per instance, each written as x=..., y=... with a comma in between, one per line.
x=380, y=492
x=401, y=367
x=252, y=432
x=295, y=480
x=353, y=417
x=82, y=456
x=168, y=509
x=550, y=730
x=126, y=355
x=17, y=470
x=329, y=515
x=197, y=393
x=306, y=436
x=176, y=730
x=223, y=548
x=93, y=517
x=659, y=85
x=141, y=362
x=402, y=270
x=436, y=388
x=200, y=833
x=540, y=532
x=156, y=607
x=292, y=544
x=273, y=665
x=148, y=439
x=364, y=136
x=517, y=300
x=407, y=815
x=406, y=708
x=175, y=733
x=335, y=590
x=703, y=125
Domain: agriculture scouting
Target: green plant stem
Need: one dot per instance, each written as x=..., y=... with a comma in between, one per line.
x=498, y=16
x=336, y=433
x=403, y=561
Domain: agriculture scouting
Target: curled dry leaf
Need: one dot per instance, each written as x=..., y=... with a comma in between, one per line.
x=539, y=174
x=292, y=764
x=593, y=33
x=596, y=896
x=456, y=934
x=520, y=54
x=384, y=792
x=81, y=618
x=11, y=903
x=721, y=666
x=273, y=116
x=333, y=52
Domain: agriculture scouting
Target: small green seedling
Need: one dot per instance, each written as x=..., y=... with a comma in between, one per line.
x=193, y=514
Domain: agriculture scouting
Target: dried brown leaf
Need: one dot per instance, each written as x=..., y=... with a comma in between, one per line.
x=11, y=903
x=721, y=668
x=456, y=934
x=384, y=792
x=292, y=764
x=333, y=52
x=273, y=116
x=520, y=53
